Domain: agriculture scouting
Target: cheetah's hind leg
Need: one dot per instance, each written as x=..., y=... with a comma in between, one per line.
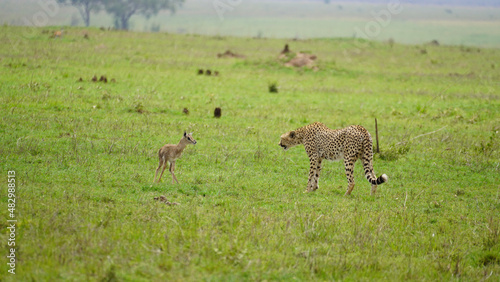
x=349, y=189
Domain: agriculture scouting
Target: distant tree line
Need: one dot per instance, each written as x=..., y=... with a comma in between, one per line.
x=122, y=10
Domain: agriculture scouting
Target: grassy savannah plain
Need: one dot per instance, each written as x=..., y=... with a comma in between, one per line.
x=84, y=154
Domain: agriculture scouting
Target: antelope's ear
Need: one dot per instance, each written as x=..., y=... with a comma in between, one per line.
x=191, y=133
x=184, y=133
x=292, y=134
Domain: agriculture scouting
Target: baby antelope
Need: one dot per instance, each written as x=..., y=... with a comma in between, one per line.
x=170, y=152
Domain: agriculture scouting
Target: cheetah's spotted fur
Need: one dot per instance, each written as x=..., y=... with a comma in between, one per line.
x=322, y=143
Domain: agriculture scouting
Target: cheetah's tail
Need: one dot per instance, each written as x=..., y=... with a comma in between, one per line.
x=377, y=181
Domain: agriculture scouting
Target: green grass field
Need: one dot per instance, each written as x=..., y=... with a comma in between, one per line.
x=84, y=154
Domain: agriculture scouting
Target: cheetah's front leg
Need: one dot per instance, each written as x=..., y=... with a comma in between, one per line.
x=314, y=171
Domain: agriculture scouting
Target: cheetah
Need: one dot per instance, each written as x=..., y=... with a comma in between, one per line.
x=322, y=143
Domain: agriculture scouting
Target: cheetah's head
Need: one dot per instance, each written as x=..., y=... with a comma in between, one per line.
x=288, y=140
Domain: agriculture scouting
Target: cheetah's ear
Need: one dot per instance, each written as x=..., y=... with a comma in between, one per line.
x=292, y=134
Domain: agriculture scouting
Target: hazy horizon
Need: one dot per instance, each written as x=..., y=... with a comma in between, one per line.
x=454, y=22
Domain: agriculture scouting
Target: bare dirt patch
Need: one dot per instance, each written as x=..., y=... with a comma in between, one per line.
x=229, y=54
x=302, y=60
